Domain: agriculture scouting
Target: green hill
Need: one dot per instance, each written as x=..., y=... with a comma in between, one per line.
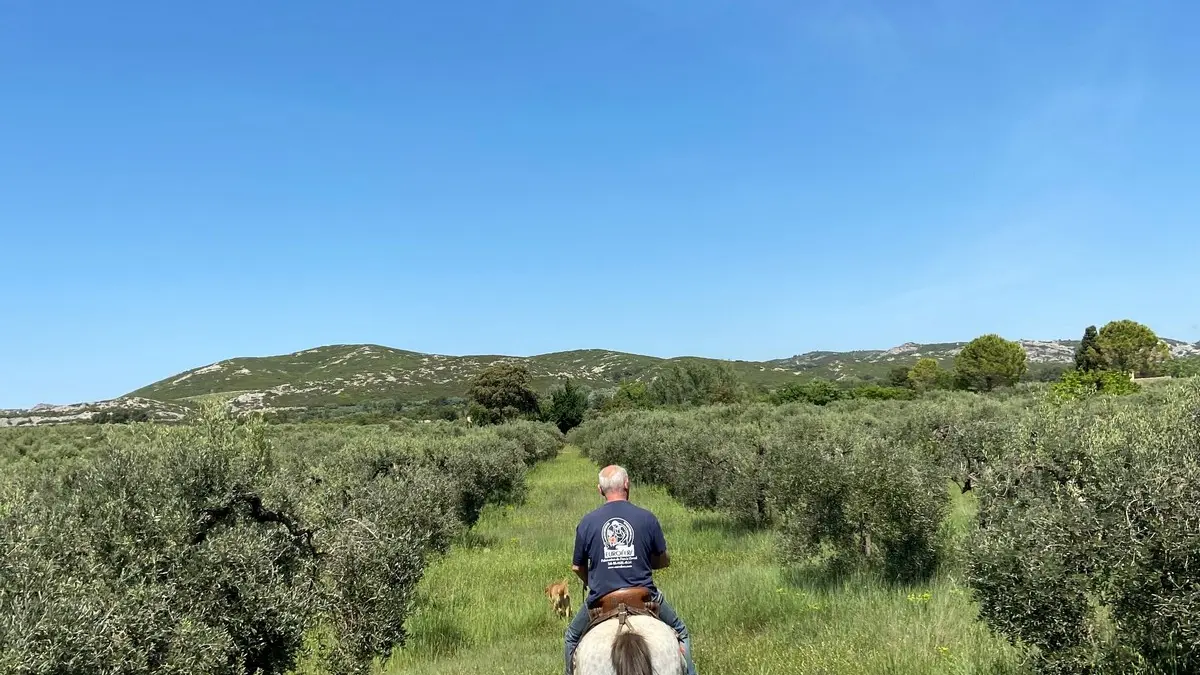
x=347, y=374
x=350, y=373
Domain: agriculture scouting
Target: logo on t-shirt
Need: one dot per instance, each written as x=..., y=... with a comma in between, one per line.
x=618, y=540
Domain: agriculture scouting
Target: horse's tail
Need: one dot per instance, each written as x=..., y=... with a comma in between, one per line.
x=631, y=654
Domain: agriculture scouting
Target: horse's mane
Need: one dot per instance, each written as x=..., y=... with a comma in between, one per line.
x=631, y=654
x=644, y=646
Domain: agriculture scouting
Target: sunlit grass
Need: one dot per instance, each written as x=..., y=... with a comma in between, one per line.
x=481, y=608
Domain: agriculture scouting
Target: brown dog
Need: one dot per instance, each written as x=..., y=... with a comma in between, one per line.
x=560, y=598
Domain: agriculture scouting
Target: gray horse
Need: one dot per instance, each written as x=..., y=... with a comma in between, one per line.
x=643, y=646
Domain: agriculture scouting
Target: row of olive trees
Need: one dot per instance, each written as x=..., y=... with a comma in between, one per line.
x=48, y=445
x=227, y=546
x=864, y=479
x=1089, y=523
x=1089, y=535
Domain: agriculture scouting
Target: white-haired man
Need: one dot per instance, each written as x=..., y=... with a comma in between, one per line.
x=623, y=543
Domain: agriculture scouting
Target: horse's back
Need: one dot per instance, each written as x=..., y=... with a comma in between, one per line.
x=593, y=656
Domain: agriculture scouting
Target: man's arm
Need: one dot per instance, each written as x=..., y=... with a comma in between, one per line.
x=580, y=572
x=579, y=560
x=659, y=558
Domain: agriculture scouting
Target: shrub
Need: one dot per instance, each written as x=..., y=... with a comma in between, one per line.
x=179, y=551
x=722, y=466
x=381, y=516
x=928, y=374
x=219, y=546
x=898, y=376
x=644, y=443
x=874, y=392
x=696, y=383
x=703, y=459
x=1076, y=384
x=1045, y=372
x=540, y=442
x=120, y=416
x=960, y=434
x=630, y=395
x=50, y=448
x=1183, y=367
x=1087, y=531
x=834, y=480
x=865, y=498
x=816, y=392
x=1088, y=537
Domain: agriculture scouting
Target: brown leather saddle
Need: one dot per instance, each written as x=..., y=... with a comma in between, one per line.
x=621, y=603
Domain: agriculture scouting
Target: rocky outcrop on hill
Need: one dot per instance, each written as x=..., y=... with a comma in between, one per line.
x=126, y=407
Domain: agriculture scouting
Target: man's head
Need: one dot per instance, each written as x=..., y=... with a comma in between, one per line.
x=614, y=483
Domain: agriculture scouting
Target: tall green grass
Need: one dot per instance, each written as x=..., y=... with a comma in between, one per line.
x=481, y=609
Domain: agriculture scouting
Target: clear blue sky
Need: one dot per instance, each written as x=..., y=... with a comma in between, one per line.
x=182, y=183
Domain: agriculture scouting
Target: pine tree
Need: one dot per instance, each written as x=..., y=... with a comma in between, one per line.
x=989, y=362
x=1087, y=356
x=567, y=406
x=1127, y=346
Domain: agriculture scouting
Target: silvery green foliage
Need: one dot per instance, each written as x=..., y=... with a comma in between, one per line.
x=1089, y=545
x=485, y=469
x=960, y=433
x=540, y=441
x=706, y=458
x=382, y=513
x=222, y=546
x=1089, y=542
x=859, y=491
x=173, y=552
x=846, y=480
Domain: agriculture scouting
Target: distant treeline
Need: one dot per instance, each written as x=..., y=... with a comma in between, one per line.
x=1107, y=360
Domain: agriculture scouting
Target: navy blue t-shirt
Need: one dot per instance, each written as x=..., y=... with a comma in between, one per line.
x=617, y=539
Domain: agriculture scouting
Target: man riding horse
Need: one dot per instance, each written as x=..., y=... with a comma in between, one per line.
x=623, y=544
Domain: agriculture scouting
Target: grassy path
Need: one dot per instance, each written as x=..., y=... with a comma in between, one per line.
x=481, y=608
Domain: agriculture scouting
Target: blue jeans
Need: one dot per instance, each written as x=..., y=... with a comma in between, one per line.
x=665, y=612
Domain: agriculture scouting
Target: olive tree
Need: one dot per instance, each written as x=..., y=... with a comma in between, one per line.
x=201, y=548
x=694, y=382
x=180, y=550
x=870, y=498
x=1089, y=533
